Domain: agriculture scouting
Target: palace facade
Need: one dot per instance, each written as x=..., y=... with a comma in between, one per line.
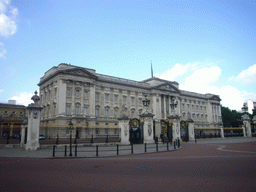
x=94, y=102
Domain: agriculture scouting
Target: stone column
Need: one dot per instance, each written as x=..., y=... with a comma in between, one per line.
x=222, y=132
x=123, y=122
x=164, y=98
x=175, y=119
x=61, y=97
x=23, y=129
x=34, y=111
x=73, y=97
x=92, y=100
x=147, y=118
x=247, y=124
x=191, y=129
x=244, y=131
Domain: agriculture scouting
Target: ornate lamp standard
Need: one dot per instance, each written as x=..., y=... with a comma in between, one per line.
x=70, y=133
x=146, y=102
x=173, y=104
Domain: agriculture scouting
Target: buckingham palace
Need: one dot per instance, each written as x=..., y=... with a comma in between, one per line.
x=94, y=102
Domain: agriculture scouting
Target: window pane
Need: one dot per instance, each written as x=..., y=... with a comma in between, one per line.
x=85, y=111
x=67, y=110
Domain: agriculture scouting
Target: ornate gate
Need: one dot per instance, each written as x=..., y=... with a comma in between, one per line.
x=166, y=130
x=184, y=131
x=136, y=131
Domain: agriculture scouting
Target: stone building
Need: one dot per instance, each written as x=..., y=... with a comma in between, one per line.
x=94, y=102
x=11, y=118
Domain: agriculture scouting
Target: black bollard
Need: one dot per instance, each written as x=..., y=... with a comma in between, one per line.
x=65, y=152
x=117, y=149
x=145, y=147
x=156, y=146
x=53, y=152
x=97, y=150
x=57, y=140
x=131, y=148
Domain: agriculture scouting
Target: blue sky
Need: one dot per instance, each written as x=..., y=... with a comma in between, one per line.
x=206, y=46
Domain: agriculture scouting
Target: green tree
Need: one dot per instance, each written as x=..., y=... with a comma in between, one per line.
x=231, y=118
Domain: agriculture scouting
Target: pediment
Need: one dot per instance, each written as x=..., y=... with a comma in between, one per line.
x=168, y=87
x=215, y=97
x=79, y=72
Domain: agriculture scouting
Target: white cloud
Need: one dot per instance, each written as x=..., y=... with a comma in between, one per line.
x=204, y=80
x=8, y=15
x=176, y=71
x=1, y=90
x=24, y=98
x=2, y=50
x=247, y=76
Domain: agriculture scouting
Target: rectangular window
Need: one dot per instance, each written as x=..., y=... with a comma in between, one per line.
x=106, y=131
x=86, y=131
x=85, y=95
x=97, y=112
x=77, y=110
x=85, y=110
x=140, y=101
x=96, y=131
x=77, y=93
x=97, y=97
x=115, y=113
x=68, y=110
x=132, y=114
x=132, y=100
x=106, y=97
x=69, y=92
x=106, y=112
x=115, y=131
x=116, y=98
x=124, y=99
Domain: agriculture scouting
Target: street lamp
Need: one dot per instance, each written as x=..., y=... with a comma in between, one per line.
x=70, y=133
x=146, y=102
x=173, y=104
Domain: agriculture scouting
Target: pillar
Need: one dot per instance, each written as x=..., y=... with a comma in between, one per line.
x=123, y=122
x=92, y=100
x=148, y=134
x=34, y=111
x=23, y=129
x=191, y=130
x=222, y=132
x=247, y=125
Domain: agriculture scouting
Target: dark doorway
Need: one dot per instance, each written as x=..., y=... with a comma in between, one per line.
x=136, y=131
x=184, y=131
x=166, y=130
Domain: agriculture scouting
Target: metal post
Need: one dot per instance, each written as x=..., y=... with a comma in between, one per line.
x=75, y=150
x=65, y=153
x=107, y=139
x=57, y=140
x=97, y=150
x=92, y=139
x=53, y=152
x=156, y=146
x=117, y=149
x=75, y=142
x=131, y=148
x=178, y=143
x=145, y=147
x=70, y=150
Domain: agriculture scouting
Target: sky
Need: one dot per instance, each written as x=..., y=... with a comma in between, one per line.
x=206, y=46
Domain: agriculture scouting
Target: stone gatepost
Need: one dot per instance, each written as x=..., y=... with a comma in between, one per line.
x=247, y=125
x=147, y=119
x=191, y=129
x=175, y=119
x=23, y=132
x=244, y=131
x=222, y=132
x=123, y=122
x=34, y=111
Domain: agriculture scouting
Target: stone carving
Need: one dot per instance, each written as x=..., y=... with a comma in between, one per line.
x=35, y=114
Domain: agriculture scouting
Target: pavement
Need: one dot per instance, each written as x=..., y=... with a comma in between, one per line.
x=111, y=150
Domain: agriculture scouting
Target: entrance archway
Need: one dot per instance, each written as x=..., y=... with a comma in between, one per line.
x=184, y=131
x=166, y=130
x=136, y=131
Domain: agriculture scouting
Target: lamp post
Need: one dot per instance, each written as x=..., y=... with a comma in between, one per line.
x=173, y=104
x=70, y=133
x=146, y=102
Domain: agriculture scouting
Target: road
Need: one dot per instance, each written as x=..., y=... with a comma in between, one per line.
x=196, y=167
